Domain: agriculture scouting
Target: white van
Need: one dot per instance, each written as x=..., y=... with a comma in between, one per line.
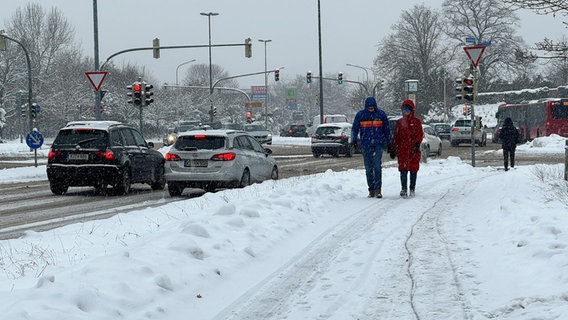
x=327, y=118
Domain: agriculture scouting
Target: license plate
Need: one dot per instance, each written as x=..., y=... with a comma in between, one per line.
x=78, y=156
x=195, y=163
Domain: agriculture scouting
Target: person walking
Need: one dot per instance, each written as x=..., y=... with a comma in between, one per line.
x=509, y=137
x=371, y=128
x=407, y=137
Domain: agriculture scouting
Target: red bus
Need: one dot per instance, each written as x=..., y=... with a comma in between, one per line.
x=537, y=118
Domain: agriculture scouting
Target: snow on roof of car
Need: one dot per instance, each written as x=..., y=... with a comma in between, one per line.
x=102, y=125
x=335, y=124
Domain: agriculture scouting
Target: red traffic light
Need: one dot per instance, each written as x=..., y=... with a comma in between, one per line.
x=136, y=87
x=468, y=81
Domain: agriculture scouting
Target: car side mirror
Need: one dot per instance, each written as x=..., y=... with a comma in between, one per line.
x=151, y=145
x=267, y=151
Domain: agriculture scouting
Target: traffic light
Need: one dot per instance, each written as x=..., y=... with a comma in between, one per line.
x=156, y=48
x=465, y=88
x=276, y=75
x=340, y=78
x=468, y=88
x=33, y=111
x=248, y=48
x=25, y=110
x=135, y=93
x=214, y=110
x=466, y=110
x=147, y=94
x=309, y=77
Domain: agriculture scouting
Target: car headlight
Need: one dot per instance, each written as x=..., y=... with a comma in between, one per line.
x=171, y=138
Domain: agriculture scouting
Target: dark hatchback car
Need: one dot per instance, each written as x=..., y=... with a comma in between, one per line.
x=101, y=153
x=294, y=130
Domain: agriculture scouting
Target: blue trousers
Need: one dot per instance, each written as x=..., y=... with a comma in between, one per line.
x=372, y=158
x=404, y=179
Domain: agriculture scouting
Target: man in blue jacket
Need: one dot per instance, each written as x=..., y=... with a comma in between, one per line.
x=372, y=125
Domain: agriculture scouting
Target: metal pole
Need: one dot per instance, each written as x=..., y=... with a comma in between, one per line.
x=356, y=66
x=265, y=83
x=181, y=64
x=98, y=99
x=209, y=14
x=320, y=65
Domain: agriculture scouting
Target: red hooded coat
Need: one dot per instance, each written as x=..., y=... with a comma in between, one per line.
x=407, y=132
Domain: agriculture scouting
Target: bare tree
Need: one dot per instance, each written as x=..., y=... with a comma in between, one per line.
x=414, y=50
x=487, y=21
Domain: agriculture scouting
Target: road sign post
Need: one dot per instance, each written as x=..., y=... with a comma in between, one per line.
x=34, y=140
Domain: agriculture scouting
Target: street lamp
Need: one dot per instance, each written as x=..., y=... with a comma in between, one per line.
x=179, y=65
x=209, y=14
x=265, y=83
x=364, y=68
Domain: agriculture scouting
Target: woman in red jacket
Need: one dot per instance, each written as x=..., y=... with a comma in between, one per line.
x=408, y=134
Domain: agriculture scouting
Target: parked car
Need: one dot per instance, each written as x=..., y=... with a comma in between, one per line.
x=214, y=159
x=101, y=153
x=258, y=131
x=333, y=139
x=294, y=130
x=431, y=142
x=442, y=130
x=461, y=133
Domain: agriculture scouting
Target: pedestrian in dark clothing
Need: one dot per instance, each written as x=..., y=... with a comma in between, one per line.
x=371, y=130
x=509, y=136
x=407, y=137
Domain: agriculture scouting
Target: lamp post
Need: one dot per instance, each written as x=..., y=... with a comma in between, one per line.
x=265, y=83
x=179, y=65
x=356, y=66
x=209, y=14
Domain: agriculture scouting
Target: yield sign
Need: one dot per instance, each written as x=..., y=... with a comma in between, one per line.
x=474, y=54
x=96, y=78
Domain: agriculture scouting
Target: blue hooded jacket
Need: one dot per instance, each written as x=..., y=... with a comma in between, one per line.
x=373, y=127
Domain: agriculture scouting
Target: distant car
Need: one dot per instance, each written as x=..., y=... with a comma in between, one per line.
x=442, y=129
x=294, y=130
x=333, y=139
x=431, y=143
x=327, y=118
x=184, y=126
x=461, y=133
x=232, y=126
x=214, y=159
x=101, y=153
x=258, y=131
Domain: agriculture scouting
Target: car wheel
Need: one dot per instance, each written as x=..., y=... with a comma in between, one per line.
x=316, y=155
x=245, y=179
x=454, y=144
x=122, y=186
x=274, y=174
x=159, y=182
x=58, y=188
x=174, y=189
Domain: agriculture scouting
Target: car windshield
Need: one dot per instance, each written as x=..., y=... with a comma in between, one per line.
x=254, y=127
x=235, y=126
x=196, y=142
x=442, y=127
x=462, y=123
x=85, y=138
x=325, y=131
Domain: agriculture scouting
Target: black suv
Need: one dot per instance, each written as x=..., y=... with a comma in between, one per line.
x=294, y=130
x=101, y=153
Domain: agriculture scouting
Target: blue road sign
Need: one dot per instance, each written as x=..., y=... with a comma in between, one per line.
x=34, y=139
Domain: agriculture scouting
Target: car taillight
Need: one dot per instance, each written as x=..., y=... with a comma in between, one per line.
x=229, y=156
x=290, y=131
x=52, y=154
x=106, y=154
x=455, y=129
x=172, y=157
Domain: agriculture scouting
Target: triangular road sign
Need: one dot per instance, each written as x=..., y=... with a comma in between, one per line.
x=96, y=78
x=474, y=54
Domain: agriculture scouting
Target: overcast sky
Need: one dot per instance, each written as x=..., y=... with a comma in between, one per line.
x=350, y=33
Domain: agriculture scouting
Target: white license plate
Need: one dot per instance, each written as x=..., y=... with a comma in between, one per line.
x=195, y=163
x=78, y=156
